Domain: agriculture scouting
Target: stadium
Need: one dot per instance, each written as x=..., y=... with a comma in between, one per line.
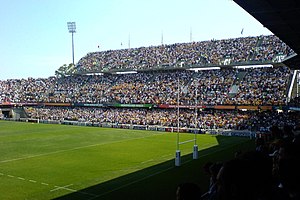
x=110, y=126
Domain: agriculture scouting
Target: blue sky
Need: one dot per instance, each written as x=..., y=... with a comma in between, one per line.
x=34, y=38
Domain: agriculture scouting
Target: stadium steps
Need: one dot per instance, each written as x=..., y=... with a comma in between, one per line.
x=18, y=113
x=233, y=90
x=259, y=41
x=257, y=45
x=235, y=86
x=240, y=76
x=151, y=79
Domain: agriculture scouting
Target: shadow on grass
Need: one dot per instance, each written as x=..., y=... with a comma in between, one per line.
x=160, y=181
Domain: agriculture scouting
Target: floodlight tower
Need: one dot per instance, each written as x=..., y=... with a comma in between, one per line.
x=72, y=29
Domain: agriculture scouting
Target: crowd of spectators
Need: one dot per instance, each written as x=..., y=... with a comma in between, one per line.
x=211, y=52
x=270, y=47
x=253, y=86
x=260, y=86
x=188, y=118
x=264, y=86
x=268, y=172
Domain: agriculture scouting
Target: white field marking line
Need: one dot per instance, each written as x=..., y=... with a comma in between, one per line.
x=66, y=150
x=147, y=161
x=33, y=181
x=63, y=187
x=66, y=187
x=167, y=155
x=164, y=156
x=187, y=141
x=20, y=178
x=156, y=173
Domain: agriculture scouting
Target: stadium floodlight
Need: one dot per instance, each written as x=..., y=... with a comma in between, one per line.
x=72, y=29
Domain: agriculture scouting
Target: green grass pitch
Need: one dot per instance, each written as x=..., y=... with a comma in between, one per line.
x=42, y=161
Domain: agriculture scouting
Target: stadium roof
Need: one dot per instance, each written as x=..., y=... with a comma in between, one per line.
x=281, y=17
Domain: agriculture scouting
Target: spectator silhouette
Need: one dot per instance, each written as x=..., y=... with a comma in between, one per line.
x=188, y=191
x=245, y=178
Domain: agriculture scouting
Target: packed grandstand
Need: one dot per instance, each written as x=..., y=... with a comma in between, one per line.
x=167, y=87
